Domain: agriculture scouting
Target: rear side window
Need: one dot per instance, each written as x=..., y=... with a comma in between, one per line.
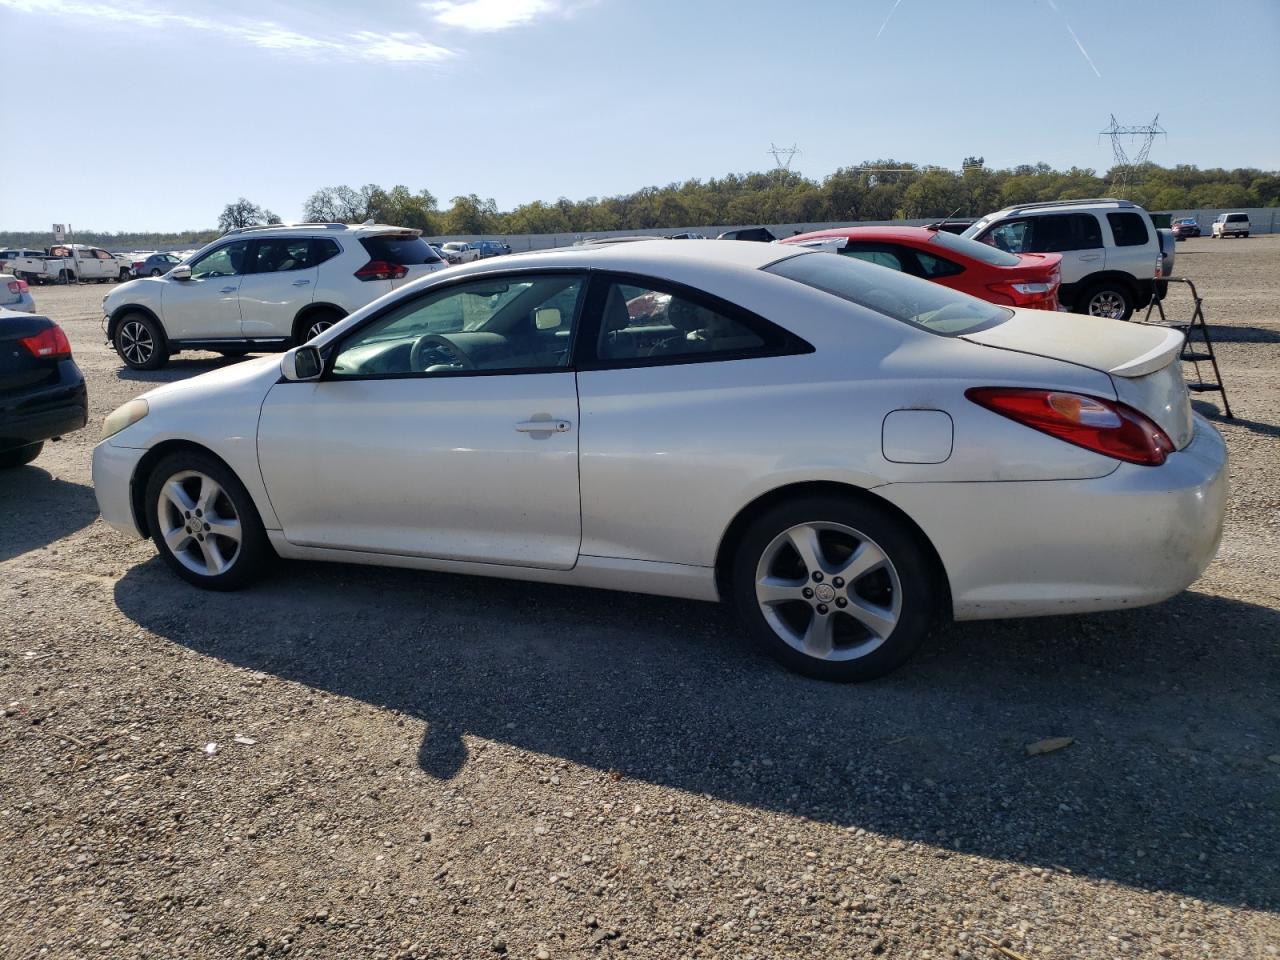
x=881, y=255
x=1071, y=231
x=323, y=249
x=399, y=249
x=922, y=304
x=932, y=266
x=1129, y=229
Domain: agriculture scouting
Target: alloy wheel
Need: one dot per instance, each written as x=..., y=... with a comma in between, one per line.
x=828, y=591
x=1106, y=303
x=317, y=328
x=199, y=523
x=136, y=343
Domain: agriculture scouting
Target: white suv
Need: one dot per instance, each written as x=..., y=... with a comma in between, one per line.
x=262, y=289
x=1230, y=225
x=1113, y=257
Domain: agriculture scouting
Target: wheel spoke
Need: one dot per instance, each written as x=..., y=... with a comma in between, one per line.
x=209, y=493
x=774, y=590
x=819, y=638
x=229, y=528
x=178, y=539
x=212, y=555
x=805, y=541
x=879, y=620
x=865, y=559
x=178, y=497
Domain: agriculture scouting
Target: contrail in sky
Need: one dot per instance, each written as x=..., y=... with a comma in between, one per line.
x=1069, y=30
x=895, y=7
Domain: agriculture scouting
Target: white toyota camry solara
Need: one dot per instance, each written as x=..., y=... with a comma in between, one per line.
x=844, y=453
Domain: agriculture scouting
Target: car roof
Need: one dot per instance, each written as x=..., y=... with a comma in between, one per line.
x=319, y=229
x=918, y=234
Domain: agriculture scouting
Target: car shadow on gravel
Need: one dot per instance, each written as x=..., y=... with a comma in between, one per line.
x=179, y=368
x=1167, y=785
x=36, y=509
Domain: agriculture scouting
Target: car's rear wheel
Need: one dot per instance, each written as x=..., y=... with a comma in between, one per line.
x=834, y=588
x=20, y=456
x=155, y=271
x=1107, y=299
x=140, y=342
x=313, y=324
x=204, y=523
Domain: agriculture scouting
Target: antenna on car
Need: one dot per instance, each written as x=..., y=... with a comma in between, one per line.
x=935, y=227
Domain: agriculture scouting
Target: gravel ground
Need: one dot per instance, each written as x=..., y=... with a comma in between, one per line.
x=353, y=762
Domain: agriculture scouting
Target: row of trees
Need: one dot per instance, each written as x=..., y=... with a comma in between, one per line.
x=874, y=190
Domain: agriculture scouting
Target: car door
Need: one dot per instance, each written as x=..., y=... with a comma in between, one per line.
x=280, y=281
x=207, y=305
x=445, y=426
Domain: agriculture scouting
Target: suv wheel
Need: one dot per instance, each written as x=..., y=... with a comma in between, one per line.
x=140, y=342
x=1107, y=299
x=834, y=588
x=204, y=523
x=314, y=324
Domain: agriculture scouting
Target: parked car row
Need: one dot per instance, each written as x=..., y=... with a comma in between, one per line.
x=843, y=452
x=65, y=263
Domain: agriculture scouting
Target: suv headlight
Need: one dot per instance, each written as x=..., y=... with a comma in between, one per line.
x=124, y=416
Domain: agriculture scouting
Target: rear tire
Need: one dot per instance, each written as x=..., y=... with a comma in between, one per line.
x=851, y=602
x=140, y=342
x=1107, y=298
x=204, y=523
x=20, y=456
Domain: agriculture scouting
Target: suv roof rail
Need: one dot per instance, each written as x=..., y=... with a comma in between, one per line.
x=328, y=225
x=1070, y=203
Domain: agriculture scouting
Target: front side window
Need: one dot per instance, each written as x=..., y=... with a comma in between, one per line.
x=922, y=304
x=515, y=323
x=102, y=255
x=227, y=261
x=644, y=321
x=1128, y=229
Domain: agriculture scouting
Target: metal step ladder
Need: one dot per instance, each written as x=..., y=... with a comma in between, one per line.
x=1192, y=352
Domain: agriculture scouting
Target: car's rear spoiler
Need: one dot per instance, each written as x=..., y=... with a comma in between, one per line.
x=1157, y=358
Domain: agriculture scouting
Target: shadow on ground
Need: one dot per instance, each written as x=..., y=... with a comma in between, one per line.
x=36, y=509
x=1173, y=710
x=179, y=367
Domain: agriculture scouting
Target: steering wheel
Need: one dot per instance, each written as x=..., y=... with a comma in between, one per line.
x=434, y=342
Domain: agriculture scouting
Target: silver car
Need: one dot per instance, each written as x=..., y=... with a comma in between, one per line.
x=845, y=453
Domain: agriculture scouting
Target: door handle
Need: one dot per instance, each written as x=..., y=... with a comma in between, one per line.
x=544, y=426
x=1092, y=256
x=301, y=283
x=228, y=290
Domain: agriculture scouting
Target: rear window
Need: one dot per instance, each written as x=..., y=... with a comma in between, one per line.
x=1237, y=217
x=922, y=304
x=400, y=249
x=1129, y=229
x=974, y=250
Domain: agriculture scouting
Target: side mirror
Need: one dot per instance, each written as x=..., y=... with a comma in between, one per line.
x=180, y=272
x=546, y=318
x=302, y=363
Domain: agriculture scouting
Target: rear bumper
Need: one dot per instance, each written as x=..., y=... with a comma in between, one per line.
x=1136, y=536
x=45, y=412
x=24, y=304
x=113, y=471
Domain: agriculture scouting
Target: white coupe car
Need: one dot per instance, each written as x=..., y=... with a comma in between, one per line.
x=844, y=452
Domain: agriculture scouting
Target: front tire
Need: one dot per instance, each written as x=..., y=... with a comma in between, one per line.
x=20, y=456
x=140, y=342
x=834, y=588
x=204, y=523
x=1109, y=298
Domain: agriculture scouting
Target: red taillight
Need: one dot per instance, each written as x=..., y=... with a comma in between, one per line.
x=1103, y=426
x=137, y=264
x=50, y=344
x=18, y=286
x=1028, y=293
x=381, y=270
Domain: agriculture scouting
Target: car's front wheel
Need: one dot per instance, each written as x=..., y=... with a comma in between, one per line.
x=204, y=523
x=140, y=342
x=20, y=456
x=835, y=588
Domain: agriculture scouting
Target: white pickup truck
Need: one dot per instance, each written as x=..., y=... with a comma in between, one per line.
x=70, y=263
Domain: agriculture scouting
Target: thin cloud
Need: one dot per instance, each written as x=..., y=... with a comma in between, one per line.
x=484, y=16
x=363, y=45
x=887, y=18
x=1067, y=24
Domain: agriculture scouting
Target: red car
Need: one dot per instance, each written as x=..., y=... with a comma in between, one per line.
x=1010, y=279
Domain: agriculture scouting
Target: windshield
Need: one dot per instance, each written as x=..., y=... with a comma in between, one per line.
x=920, y=303
x=975, y=250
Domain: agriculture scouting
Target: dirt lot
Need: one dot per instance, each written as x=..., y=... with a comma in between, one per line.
x=422, y=765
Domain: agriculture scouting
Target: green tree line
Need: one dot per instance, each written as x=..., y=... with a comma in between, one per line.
x=883, y=189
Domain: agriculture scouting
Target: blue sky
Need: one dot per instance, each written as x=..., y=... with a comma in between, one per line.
x=169, y=115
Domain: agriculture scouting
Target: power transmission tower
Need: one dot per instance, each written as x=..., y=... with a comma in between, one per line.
x=1128, y=170
x=782, y=157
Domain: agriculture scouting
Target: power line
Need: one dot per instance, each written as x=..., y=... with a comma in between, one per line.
x=782, y=157
x=1127, y=170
